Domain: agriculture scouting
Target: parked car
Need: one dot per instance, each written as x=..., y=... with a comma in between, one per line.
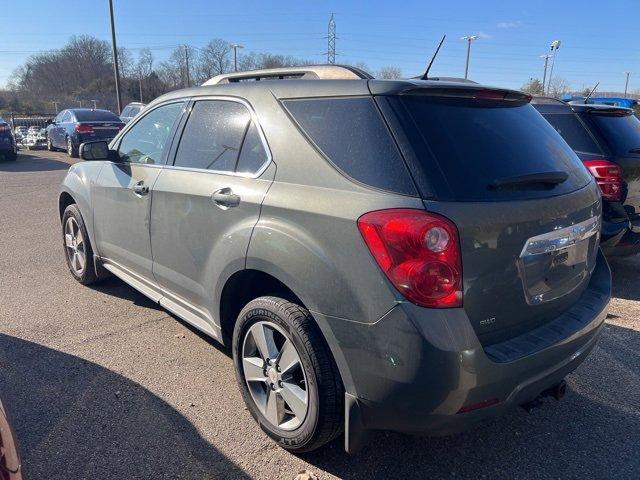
x=36, y=138
x=10, y=463
x=8, y=146
x=424, y=256
x=130, y=111
x=607, y=140
x=74, y=126
x=20, y=133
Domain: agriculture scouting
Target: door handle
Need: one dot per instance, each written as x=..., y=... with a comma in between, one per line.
x=225, y=198
x=140, y=188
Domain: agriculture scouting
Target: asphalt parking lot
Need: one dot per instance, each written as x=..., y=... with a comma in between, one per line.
x=104, y=384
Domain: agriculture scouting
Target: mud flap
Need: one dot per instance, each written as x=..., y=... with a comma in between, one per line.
x=355, y=435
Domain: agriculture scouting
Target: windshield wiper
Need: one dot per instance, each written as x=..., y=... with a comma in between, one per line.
x=548, y=179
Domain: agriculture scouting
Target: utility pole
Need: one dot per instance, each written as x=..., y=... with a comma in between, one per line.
x=469, y=39
x=140, y=84
x=331, y=44
x=80, y=102
x=116, y=71
x=95, y=104
x=555, y=45
x=544, y=76
x=186, y=62
x=626, y=83
x=55, y=105
x=235, y=47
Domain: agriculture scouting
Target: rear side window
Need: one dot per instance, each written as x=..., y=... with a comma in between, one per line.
x=622, y=133
x=252, y=155
x=96, y=116
x=471, y=147
x=213, y=135
x=351, y=133
x=573, y=131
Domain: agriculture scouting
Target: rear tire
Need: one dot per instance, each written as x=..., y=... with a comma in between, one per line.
x=72, y=150
x=11, y=156
x=314, y=375
x=77, y=247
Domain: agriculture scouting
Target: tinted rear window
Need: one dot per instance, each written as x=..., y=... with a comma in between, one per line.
x=96, y=116
x=621, y=133
x=469, y=146
x=353, y=136
x=573, y=131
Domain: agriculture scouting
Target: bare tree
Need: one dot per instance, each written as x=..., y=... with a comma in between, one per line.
x=145, y=62
x=558, y=87
x=214, y=59
x=389, y=73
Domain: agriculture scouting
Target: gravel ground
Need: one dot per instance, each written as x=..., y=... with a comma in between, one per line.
x=104, y=384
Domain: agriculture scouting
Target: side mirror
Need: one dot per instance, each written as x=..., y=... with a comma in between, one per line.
x=98, y=150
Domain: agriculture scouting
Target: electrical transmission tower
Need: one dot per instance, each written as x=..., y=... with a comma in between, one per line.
x=331, y=37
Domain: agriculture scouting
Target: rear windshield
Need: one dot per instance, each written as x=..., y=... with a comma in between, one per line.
x=621, y=133
x=96, y=116
x=573, y=131
x=471, y=147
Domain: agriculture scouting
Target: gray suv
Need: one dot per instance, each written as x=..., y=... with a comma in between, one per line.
x=408, y=255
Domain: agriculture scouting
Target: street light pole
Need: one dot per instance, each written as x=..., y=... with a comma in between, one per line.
x=626, y=84
x=95, y=104
x=116, y=70
x=235, y=47
x=555, y=45
x=469, y=39
x=186, y=61
x=544, y=77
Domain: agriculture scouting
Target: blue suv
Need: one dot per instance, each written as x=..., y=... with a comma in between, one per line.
x=74, y=126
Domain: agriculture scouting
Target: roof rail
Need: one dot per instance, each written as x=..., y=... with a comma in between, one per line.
x=306, y=72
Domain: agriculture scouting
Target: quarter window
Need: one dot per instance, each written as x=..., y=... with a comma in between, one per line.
x=252, y=155
x=146, y=140
x=213, y=136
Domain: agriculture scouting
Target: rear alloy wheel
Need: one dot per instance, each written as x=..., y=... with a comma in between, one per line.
x=77, y=247
x=72, y=150
x=287, y=376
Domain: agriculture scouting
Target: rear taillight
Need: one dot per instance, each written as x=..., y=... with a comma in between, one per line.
x=608, y=175
x=4, y=128
x=419, y=252
x=82, y=128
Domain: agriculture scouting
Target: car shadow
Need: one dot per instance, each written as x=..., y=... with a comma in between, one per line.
x=32, y=163
x=76, y=419
x=624, y=271
x=591, y=433
x=115, y=287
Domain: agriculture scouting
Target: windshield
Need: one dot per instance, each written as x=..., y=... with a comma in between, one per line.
x=96, y=116
x=473, y=146
x=622, y=133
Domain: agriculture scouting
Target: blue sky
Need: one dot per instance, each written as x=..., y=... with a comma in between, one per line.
x=599, y=39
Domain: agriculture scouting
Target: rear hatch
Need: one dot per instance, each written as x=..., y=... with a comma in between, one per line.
x=620, y=130
x=527, y=210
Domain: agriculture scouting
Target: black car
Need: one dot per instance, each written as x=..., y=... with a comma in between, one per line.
x=8, y=147
x=607, y=140
x=74, y=126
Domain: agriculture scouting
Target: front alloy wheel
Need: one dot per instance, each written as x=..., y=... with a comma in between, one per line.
x=274, y=375
x=74, y=241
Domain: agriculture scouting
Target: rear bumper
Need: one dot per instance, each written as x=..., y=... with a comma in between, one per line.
x=414, y=369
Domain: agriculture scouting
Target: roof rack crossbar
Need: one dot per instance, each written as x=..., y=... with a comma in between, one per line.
x=306, y=72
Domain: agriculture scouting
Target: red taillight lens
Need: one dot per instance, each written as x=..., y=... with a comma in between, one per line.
x=5, y=128
x=82, y=128
x=608, y=175
x=419, y=252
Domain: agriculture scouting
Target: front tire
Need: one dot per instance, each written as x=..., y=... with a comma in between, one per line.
x=287, y=376
x=72, y=150
x=77, y=246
